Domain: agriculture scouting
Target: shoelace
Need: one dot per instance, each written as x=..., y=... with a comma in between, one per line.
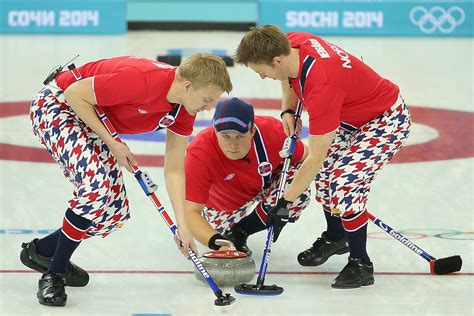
x=315, y=244
x=318, y=242
x=56, y=280
x=352, y=265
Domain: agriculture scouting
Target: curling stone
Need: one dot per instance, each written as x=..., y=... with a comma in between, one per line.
x=227, y=267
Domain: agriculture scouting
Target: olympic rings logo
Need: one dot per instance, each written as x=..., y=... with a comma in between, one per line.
x=426, y=233
x=437, y=18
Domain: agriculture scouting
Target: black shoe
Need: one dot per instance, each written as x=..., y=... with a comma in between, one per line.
x=354, y=275
x=51, y=290
x=29, y=256
x=321, y=250
x=239, y=238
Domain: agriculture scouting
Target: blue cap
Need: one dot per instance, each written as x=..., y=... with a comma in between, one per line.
x=233, y=115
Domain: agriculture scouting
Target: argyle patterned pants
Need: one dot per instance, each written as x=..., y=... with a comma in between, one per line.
x=353, y=160
x=99, y=193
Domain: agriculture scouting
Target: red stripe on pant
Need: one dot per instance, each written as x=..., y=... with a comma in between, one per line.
x=71, y=231
x=261, y=213
x=356, y=222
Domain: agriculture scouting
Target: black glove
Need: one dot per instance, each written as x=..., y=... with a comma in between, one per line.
x=278, y=216
x=212, y=241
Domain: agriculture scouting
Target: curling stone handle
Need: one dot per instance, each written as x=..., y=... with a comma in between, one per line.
x=226, y=243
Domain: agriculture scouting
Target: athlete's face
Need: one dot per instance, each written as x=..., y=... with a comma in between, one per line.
x=235, y=145
x=274, y=71
x=200, y=99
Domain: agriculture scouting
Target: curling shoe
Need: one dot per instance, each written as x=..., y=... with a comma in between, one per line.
x=354, y=275
x=51, y=289
x=321, y=250
x=29, y=256
x=239, y=238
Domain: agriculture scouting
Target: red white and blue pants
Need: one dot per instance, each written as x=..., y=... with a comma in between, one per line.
x=222, y=220
x=353, y=160
x=99, y=192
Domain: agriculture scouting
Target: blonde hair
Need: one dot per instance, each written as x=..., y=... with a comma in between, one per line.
x=261, y=44
x=205, y=70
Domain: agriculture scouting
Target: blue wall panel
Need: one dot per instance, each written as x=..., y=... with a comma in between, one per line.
x=63, y=16
x=413, y=18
